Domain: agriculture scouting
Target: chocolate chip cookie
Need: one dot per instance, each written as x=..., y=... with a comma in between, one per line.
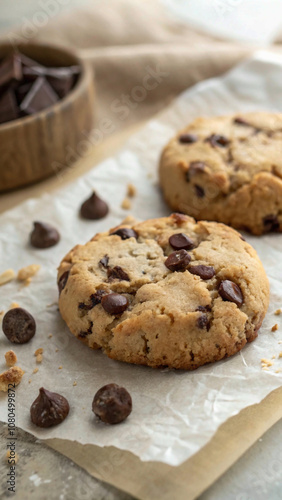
x=164, y=292
x=227, y=169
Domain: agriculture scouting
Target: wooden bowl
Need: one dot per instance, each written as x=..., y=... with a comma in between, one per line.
x=38, y=146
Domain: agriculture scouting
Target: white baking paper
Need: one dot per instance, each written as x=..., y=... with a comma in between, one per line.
x=175, y=413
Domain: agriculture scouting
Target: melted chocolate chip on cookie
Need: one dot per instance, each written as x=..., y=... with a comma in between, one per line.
x=117, y=273
x=195, y=167
x=205, y=272
x=200, y=192
x=203, y=322
x=104, y=261
x=63, y=281
x=271, y=223
x=125, y=233
x=188, y=138
x=180, y=240
x=218, y=140
x=231, y=292
x=178, y=261
x=114, y=303
x=95, y=299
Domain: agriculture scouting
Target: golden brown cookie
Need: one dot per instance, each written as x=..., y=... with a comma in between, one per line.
x=164, y=292
x=227, y=169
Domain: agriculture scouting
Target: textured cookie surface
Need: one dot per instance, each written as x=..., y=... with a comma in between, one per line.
x=186, y=293
x=227, y=169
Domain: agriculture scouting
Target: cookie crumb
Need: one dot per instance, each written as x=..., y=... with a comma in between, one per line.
x=278, y=371
x=7, y=276
x=126, y=204
x=278, y=312
x=12, y=457
x=2, y=314
x=74, y=384
x=38, y=353
x=60, y=367
x=27, y=282
x=280, y=355
x=265, y=368
x=35, y=370
x=273, y=357
x=131, y=190
x=11, y=358
x=57, y=350
x=11, y=376
x=29, y=381
x=14, y=305
x=274, y=328
x=27, y=272
x=266, y=362
x=280, y=342
x=50, y=335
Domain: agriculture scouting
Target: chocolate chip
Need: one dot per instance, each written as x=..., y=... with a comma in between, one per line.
x=195, y=167
x=18, y=326
x=218, y=140
x=117, y=273
x=180, y=240
x=49, y=409
x=231, y=292
x=82, y=334
x=203, y=322
x=178, y=261
x=40, y=96
x=112, y=404
x=104, y=261
x=204, y=308
x=95, y=299
x=187, y=138
x=240, y=121
x=94, y=208
x=125, y=233
x=8, y=106
x=205, y=272
x=114, y=303
x=63, y=281
x=44, y=235
x=200, y=192
x=271, y=223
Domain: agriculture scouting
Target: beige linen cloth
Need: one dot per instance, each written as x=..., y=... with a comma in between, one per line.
x=130, y=43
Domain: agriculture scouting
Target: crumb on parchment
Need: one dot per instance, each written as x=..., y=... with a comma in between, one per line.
x=11, y=358
x=14, y=305
x=278, y=312
x=7, y=276
x=39, y=355
x=74, y=384
x=11, y=376
x=35, y=369
x=27, y=272
x=126, y=204
x=274, y=328
x=131, y=190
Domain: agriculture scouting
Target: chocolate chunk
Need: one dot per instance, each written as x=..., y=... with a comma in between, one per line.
x=125, y=233
x=8, y=107
x=203, y=322
x=94, y=208
x=21, y=91
x=187, y=138
x=95, y=299
x=49, y=409
x=44, y=235
x=271, y=223
x=83, y=335
x=104, y=261
x=178, y=261
x=112, y=404
x=241, y=121
x=18, y=326
x=200, y=192
x=231, y=292
x=62, y=80
x=218, y=140
x=195, y=167
x=205, y=272
x=204, y=308
x=63, y=281
x=114, y=303
x=10, y=70
x=117, y=273
x=40, y=96
x=180, y=240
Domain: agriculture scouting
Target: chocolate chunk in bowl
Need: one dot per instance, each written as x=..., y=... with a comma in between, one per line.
x=48, y=106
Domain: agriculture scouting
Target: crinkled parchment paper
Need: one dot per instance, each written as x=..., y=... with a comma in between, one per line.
x=175, y=413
